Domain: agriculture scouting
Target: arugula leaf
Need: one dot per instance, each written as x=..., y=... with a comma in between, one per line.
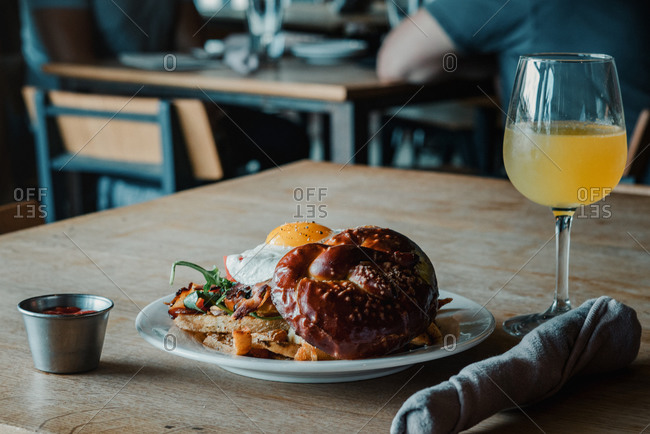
x=209, y=299
x=209, y=296
x=191, y=299
x=212, y=277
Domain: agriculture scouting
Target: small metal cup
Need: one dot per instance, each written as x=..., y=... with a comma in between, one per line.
x=65, y=344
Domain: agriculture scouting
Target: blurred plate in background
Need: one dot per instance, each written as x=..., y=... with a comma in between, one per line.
x=330, y=51
x=167, y=61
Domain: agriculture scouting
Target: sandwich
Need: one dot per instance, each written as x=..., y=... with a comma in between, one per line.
x=313, y=293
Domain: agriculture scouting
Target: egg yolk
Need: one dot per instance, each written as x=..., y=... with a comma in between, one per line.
x=298, y=233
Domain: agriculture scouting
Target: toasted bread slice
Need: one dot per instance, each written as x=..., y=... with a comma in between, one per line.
x=225, y=324
x=225, y=343
x=222, y=342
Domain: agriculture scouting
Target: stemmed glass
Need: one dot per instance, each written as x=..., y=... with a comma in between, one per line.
x=564, y=147
x=264, y=24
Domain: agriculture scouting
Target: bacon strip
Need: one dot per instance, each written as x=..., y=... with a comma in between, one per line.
x=260, y=293
x=243, y=299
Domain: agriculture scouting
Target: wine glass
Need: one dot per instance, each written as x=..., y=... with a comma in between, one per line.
x=264, y=25
x=564, y=147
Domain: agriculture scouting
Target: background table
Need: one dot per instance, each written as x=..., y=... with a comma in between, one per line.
x=350, y=93
x=487, y=242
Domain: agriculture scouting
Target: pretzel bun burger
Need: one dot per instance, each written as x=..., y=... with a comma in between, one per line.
x=313, y=293
x=364, y=292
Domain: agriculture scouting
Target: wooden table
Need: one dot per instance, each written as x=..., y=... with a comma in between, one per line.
x=350, y=93
x=481, y=234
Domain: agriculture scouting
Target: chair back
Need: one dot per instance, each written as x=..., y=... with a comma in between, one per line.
x=193, y=121
x=110, y=127
x=638, y=155
x=129, y=137
x=197, y=132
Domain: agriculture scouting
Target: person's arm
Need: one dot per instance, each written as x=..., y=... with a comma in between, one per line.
x=188, y=33
x=414, y=50
x=66, y=34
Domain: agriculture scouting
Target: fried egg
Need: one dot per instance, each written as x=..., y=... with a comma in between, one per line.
x=258, y=264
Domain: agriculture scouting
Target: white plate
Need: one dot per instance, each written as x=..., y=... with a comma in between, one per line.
x=329, y=51
x=475, y=323
x=167, y=61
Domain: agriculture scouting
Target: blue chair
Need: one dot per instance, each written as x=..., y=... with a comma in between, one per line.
x=121, y=137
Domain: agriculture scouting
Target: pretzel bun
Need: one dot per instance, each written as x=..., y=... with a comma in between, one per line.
x=364, y=292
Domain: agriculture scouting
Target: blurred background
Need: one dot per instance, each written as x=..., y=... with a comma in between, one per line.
x=459, y=134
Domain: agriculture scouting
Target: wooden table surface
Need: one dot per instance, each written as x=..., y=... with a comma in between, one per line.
x=487, y=242
x=291, y=78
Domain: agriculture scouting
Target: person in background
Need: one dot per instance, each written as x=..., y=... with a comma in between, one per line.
x=86, y=31
x=415, y=50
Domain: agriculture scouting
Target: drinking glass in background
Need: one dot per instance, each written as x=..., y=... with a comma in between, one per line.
x=264, y=24
x=564, y=147
x=399, y=9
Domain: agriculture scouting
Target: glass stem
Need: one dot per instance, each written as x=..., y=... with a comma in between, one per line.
x=561, y=302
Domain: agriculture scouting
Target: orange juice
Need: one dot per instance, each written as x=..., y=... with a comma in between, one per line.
x=568, y=164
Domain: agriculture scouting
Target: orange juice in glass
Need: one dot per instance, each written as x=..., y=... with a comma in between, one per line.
x=564, y=146
x=571, y=164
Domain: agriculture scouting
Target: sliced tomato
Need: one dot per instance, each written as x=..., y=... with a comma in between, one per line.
x=178, y=301
x=225, y=267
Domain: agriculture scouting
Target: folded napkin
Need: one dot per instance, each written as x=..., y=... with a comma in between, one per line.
x=600, y=335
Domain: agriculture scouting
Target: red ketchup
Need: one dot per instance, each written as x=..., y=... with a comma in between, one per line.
x=69, y=310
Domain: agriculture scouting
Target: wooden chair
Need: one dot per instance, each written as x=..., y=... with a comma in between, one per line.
x=638, y=155
x=132, y=138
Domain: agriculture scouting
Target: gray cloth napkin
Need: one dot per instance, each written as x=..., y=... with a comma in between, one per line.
x=601, y=335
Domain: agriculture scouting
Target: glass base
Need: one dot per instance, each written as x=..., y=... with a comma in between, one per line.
x=522, y=324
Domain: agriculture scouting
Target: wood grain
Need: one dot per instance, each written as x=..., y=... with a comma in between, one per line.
x=486, y=241
x=291, y=78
